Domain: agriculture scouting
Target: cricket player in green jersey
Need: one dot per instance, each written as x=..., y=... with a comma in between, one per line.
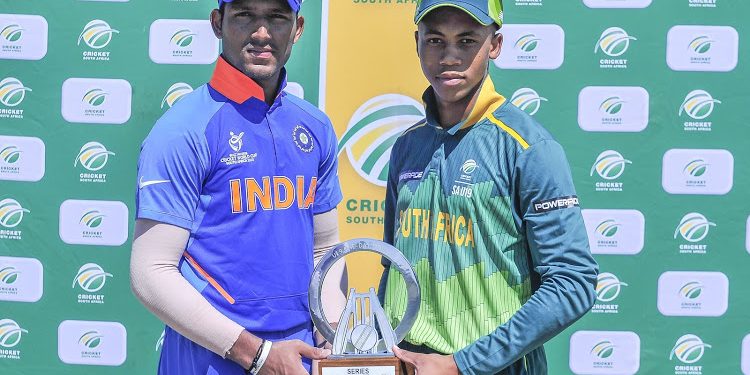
x=481, y=201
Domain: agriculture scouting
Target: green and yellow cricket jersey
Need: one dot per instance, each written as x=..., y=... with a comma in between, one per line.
x=487, y=214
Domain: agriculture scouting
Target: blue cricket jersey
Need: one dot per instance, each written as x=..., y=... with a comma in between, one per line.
x=245, y=179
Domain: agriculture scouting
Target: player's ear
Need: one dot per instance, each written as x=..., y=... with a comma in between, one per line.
x=496, y=44
x=416, y=41
x=217, y=17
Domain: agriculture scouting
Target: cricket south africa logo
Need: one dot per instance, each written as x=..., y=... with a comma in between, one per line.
x=372, y=131
x=93, y=156
x=96, y=34
x=12, y=92
x=182, y=38
x=175, y=93
x=608, y=287
x=8, y=275
x=95, y=97
x=527, y=100
x=469, y=166
x=603, y=349
x=91, y=340
x=693, y=227
x=10, y=154
x=609, y=165
x=701, y=45
x=527, y=43
x=91, y=278
x=691, y=290
x=614, y=42
x=698, y=105
x=10, y=333
x=92, y=219
x=11, y=213
x=608, y=228
x=688, y=349
x=12, y=33
x=695, y=168
x=612, y=105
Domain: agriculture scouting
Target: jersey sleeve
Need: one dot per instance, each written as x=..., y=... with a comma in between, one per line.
x=551, y=217
x=328, y=191
x=171, y=168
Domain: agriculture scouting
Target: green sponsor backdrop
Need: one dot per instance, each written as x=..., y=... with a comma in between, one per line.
x=636, y=310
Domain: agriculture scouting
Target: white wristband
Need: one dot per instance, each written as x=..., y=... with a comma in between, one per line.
x=263, y=355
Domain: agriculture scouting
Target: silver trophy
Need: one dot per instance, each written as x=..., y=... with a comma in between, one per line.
x=364, y=337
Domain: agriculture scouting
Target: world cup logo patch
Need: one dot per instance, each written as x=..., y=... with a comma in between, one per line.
x=303, y=139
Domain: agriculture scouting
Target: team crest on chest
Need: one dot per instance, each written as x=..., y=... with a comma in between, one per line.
x=303, y=139
x=235, y=141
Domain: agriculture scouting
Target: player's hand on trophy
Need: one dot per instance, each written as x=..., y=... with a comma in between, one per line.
x=427, y=364
x=285, y=358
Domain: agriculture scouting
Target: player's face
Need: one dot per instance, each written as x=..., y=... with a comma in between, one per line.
x=258, y=36
x=454, y=51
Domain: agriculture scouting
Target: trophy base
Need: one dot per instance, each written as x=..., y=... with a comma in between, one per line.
x=360, y=366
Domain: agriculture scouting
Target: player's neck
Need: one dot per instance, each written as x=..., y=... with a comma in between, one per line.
x=451, y=113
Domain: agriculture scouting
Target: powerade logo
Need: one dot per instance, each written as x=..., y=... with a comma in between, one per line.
x=10, y=154
x=614, y=42
x=603, y=349
x=91, y=278
x=609, y=165
x=10, y=333
x=698, y=105
x=11, y=213
x=688, y=349
x=95, y=97
x=175, y=93
x=96, y=34
x=691, y=290
x=93, y=156
x=612, y=105
x=372, y=131
x=9, y=275
x=527, y=100
x=608, y=287
x=91, y=339
x=12, y=33
x=12, y=93
x=527, y=43
x=695, y=168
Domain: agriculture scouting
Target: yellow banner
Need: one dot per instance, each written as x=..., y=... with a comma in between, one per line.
x=372, y=93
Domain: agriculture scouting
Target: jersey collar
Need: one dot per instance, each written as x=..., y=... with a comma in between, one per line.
x=238, y=87
x=487, y=102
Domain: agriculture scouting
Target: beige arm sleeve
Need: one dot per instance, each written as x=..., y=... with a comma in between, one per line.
x=335, y=285
x=159, y=285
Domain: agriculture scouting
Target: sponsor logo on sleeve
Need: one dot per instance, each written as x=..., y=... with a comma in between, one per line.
x=555, y=204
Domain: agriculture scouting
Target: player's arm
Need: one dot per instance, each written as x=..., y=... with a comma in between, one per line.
x=389, y=217
x=560, y=256
x=335, y=285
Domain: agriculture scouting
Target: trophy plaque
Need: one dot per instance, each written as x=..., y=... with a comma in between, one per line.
x=363, y=340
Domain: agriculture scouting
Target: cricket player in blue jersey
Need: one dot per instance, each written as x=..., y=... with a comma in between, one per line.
x=481, y=201
x=237, y=185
